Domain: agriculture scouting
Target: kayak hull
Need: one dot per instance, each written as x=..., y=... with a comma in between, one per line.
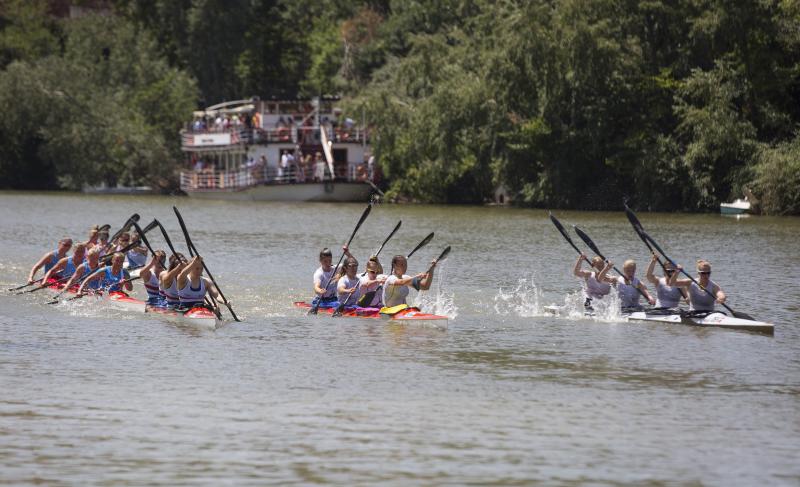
x=707, y=320
x=202, y=318
x=408, y=314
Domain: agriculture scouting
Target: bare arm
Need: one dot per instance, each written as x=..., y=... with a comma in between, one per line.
x=75, y=277
x=650, y=276
x=92, y=277
x=721, y=297
x=646, y=293
x=59, y=265
x=604, y=277
x=577, y=271
x=675, y=282
x=38, y=266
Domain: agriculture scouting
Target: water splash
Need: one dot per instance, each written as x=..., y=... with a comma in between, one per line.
x=437, y=300
x=524, y=300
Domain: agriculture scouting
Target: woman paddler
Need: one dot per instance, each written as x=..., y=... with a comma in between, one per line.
x=348, y=287
x=89, y=266
x=395, y=289
x=326, y=273
x=370, y=285
x=136, y=256
x=168, y=281
x=666, y=296
x=149, y=275
x=699, y=299
x=66, y=267
x=111, y=277
x=628, y=286
x=595, y=287
x=192, y=286
x=50, y=259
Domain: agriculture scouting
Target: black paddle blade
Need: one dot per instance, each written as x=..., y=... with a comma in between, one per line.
x=559, y=226
x=424, y=242
x=443, y=255
x=588, y=241
x=153, y=224
x=637, y=225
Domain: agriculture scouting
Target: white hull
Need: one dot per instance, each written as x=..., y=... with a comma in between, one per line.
x=329, y=192
x=200, y=320
x=712, y=320
x=736, y=208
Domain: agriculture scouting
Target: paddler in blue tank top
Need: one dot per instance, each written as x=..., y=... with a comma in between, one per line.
x=192, y=286
x=89, y=266
x=699, y=299
x=149, y=275
x=67, y=266
x=110, y=276
x=50, y=259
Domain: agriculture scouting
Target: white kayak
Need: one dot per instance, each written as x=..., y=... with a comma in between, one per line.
x=714, y=319
x=202, y=318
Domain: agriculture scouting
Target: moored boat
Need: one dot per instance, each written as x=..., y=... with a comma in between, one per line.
x=738, y=207
x=407, y=314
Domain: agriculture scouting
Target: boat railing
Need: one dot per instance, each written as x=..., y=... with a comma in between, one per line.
x=220, y=180
x=309, y=135
x=191, y=139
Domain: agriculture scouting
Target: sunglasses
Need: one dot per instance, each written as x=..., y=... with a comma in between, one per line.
x=704, y=272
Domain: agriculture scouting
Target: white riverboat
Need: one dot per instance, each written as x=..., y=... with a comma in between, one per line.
x=272, y=150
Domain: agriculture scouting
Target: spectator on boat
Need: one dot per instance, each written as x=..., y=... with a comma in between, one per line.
x=699, y=299
x=218, y=123
x=371, y=167
x=628, y=286
x=666, y=296
x=319, y=168
x=395, y=288
x=361, y=172
x=50, y=259
x=199, y=165
x=595, y=287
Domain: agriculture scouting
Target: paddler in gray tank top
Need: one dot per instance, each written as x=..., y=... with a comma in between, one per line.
x=595, y=288
x=666, y=295
x=628, y=286
x=699, y=299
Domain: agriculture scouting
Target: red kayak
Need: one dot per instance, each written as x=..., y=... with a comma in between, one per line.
x=118, y=299
x=407, y=314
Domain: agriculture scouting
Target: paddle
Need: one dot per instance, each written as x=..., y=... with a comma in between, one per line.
x=588, y=241
x=326, y=148
x=315, y=306
x=370, y=295
x=26, y=285
x=59, y=281
x=92, y=291
x=166, y=237
x=639, y=229
x=134, y=218
x=191, y=247
x=566, y=236
x=737, y=314
x=104, y=259
x=339, y=309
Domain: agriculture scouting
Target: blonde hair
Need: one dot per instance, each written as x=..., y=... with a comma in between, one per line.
x=80, y=246
x=629, y=263
x=597, y=260
x=703, y=263
x=93, y=251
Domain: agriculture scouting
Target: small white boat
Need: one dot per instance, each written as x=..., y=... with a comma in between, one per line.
x=736, y=208
x=714, y=319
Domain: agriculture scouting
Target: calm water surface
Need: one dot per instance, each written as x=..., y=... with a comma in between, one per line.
x=503, y=394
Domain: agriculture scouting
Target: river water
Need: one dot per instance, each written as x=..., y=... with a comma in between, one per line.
x=502, y=394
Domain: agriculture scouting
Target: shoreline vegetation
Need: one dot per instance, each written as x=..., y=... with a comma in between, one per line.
x=677, y=106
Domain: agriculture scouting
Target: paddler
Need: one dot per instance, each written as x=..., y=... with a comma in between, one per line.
x=93, y=236
x=66, y=267
x=111, y=277
x=192, y=286
x=149, y=275
x=89, y=266
x=50, y=259
x=370, y=285
x=326, y=273
x=168, y=281
x=595, y=288
x=666, y=296
x=699, y=299
x=136, y=256
x=395, y=289
x=348, y=287
x=628, y=286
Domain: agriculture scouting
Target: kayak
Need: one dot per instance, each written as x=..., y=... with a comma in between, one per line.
x=407, y=314
x=715, y=319
x=198, y=317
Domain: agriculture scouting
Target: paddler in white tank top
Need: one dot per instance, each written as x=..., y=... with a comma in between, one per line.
x=395, y=289
x=167, y=281
x=666, y=295
x=326, y=273
x=628, y=286
x=50, y=259
x=149, y=275
x=700, y=300
x=371, y=285
x=192, y=286
x=594, y=288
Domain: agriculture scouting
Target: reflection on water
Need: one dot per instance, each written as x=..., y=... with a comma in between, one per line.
x=504, y=393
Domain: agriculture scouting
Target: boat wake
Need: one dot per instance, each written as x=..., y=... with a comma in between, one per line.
x=524, y=300
x=437, y=300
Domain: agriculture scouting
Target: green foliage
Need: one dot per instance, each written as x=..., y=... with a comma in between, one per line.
x=26, y=32
x=777, y=177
